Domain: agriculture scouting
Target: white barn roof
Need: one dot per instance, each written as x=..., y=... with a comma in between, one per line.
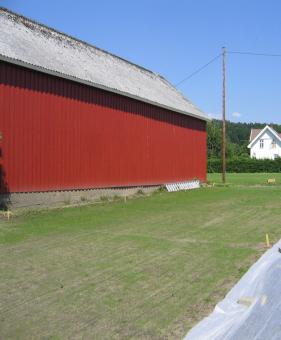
x=32, y=45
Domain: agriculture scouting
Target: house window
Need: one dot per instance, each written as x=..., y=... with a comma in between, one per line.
x=273, y=144
x=261, y=143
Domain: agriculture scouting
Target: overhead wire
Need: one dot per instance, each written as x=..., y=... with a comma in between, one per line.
x=254, y=54
x=216, y=57
x=197, y=71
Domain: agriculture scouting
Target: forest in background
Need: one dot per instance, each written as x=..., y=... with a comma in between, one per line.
x=237, y=138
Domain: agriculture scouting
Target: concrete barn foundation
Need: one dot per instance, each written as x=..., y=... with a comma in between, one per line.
x=70, y=197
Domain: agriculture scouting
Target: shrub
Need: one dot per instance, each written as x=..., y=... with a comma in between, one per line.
x=246, y=165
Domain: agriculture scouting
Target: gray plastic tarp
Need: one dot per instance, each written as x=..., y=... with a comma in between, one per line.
x=252, y=309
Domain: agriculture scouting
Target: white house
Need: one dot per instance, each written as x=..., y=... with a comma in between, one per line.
x=265, y=143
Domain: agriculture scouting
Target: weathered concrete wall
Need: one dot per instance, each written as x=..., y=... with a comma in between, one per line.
x=60, y=198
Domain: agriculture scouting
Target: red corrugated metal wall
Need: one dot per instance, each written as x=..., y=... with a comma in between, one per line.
x=58, y=135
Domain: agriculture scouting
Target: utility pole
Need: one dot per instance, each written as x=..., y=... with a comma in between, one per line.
x=223, y=116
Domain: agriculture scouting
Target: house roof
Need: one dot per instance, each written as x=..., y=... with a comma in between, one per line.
x=256, y=133
x=30, y=44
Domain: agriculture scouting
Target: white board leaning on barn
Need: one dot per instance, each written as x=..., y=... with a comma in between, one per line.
x=195, y=184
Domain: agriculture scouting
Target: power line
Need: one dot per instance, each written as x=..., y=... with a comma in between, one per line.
x=253, y=53
x=197, y=71
x=215, y=58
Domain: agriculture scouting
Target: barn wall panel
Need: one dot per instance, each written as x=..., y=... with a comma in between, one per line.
x=60, y=135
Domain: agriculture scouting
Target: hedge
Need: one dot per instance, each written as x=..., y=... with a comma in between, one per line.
x=246, y=165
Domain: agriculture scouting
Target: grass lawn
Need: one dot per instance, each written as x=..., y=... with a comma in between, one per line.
x=149, y=268
x=246, y=179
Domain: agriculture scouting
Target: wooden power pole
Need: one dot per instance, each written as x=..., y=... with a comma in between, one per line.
x=223, y=116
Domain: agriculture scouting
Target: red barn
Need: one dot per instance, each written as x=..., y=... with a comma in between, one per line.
x=73, y=116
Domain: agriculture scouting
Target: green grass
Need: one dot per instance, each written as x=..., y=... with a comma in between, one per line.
x=149, y=268
x=246, y=178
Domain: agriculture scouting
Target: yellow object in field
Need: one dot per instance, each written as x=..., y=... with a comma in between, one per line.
x=7, y=214
x=267, y=240
x=271, y=181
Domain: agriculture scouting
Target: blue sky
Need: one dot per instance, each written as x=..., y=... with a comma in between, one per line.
x=175, y=37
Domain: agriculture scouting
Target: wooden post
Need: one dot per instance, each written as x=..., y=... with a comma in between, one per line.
x=223, y=116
